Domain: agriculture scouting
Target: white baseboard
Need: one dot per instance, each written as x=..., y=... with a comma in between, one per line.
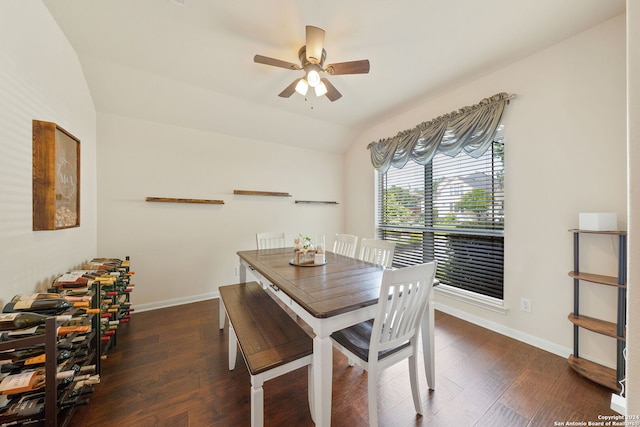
x=549, y=346
x=503, y=330
x=174, y=302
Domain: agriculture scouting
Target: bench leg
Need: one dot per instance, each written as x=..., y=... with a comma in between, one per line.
x=222, y=315
x=257, y=401
x=233, y=347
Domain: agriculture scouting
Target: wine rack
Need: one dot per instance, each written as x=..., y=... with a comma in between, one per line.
x=48, y=339
x=112, y=277
x=115, y=307
x=76, y=346
x=55, y=393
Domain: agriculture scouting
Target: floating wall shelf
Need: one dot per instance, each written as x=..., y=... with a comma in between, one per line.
x=321, y=202
x=174, y=200
x=261, y=193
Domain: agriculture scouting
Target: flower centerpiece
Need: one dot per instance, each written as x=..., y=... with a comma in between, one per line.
x=304, y=251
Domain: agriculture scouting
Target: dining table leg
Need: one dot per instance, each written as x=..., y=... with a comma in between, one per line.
x=242, y=272
x=428, y=346
x=322, y=377
x=222, y=314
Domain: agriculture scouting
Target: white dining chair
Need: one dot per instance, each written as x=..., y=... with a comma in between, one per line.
x=392, y=335
x=345, y=244
x=377, y=251
x=270, y=240
x=267, y=240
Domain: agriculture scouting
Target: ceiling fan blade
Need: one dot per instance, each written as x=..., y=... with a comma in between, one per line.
x=276, y=62
x=332, y=92
x=351, y=67
x=289, y=90
x=315, y=44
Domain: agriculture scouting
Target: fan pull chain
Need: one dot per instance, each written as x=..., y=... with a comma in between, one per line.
x=309, y=100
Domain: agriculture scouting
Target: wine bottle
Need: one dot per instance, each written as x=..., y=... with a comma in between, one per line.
x=41, y=358
x=40, y=329
x=35, y=357
x=44, y=306
x=25, y=319
x=11, y=368
x=70, y=403
x=27, y=406
x=80, y=388
x=45, y=295
x=72, y=280
x=37, y=295
x=22, y=382
x=73, y=292
x=81, y=329
x=100, y=266
x=68, y=375
x=78, y=342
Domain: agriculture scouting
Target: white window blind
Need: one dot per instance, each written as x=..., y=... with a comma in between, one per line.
x=451, y=210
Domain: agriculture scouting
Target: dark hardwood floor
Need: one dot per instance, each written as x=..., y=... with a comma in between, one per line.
x=169, y=368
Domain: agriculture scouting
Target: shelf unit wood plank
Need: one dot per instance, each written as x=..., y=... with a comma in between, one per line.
x=596, y=325
x=595, y=372
x=597, y=278
x=177, y=200
x=613, y=232
x=261, y=193
x=320, y=202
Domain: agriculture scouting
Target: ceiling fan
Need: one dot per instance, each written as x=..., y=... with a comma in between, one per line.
x=312, y=56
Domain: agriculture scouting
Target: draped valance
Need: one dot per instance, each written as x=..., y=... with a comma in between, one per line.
x=470, y=128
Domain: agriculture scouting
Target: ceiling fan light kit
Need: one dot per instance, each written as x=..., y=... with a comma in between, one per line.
x=313, y=78
x=301, y=87
x=312, y=57
x=320, y=89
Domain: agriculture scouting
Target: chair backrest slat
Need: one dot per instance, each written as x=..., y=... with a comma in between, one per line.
x=270, y=240
x=345, y=244
x=377, y=251
x=404, y=295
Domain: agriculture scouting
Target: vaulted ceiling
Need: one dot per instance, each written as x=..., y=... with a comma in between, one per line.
x=190, y=63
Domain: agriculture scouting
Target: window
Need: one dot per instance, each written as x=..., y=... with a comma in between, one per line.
x=450, y=210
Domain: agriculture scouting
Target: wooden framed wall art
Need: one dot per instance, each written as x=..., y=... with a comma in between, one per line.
x=56, y=177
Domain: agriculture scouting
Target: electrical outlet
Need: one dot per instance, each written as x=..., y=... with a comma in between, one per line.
x=237, y=270
x=525, y=304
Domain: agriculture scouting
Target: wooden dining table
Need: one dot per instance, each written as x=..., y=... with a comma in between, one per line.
x=340, y=293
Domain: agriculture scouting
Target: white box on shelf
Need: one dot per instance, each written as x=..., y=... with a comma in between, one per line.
x=599, y=221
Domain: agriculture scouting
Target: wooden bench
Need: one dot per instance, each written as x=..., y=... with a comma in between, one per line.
x=270, y=341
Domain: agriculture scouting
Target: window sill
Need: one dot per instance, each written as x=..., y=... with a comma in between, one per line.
x=488, y=303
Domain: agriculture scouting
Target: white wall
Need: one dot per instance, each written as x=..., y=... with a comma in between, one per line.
x=183, y=252
x=565, y=154
x=633, y=294
x=40, y=78
x=571, y=102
